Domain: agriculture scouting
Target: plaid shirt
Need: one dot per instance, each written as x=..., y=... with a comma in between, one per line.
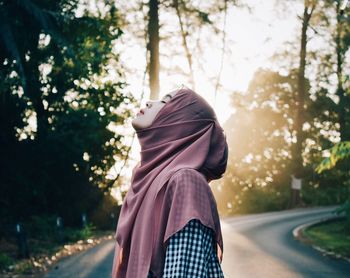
x=191, y=252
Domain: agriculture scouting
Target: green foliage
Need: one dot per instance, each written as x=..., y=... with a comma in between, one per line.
x=58, y=73
x=338, y=152
x=257, y=178
x=345, y=208
x=87, y=231
x=329, y=194
x=256, y=200
x=41, y=227
x=5, y=261
x=332, y=235
x=105, y=216
x=259, y=151
x=72, y=235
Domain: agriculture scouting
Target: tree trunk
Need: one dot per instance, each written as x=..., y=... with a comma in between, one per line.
x=35, y=94
x=184, y=41
x=153, y=35
x=297, y=148
x=344, y=103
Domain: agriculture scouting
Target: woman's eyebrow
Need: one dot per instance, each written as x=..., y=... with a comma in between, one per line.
x=167, y=95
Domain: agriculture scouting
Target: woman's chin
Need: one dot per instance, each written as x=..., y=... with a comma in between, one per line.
x=136, y=124
x=140, y=122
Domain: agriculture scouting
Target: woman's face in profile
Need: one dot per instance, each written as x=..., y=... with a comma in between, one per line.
x=145, y=117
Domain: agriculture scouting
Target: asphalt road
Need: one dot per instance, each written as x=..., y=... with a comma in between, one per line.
x=262, y=245
x=258, y=245
x=93, y=263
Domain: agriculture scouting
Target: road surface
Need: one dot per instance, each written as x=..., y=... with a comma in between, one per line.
x=262, y=245
x=256, y=245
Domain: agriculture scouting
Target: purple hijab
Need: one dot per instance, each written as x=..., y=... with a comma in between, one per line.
x=185, y=138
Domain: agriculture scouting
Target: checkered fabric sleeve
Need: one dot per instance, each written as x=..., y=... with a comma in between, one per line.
x=191, y=253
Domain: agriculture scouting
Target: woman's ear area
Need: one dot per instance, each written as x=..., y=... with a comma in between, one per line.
x=167, y=97
x=173, y=93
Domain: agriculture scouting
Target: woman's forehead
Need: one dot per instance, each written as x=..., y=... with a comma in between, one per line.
x=170, y=95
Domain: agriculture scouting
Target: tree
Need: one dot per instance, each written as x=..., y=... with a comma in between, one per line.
x=59, y=75
x=302, y=90
x=339, y=152
x=153, y=47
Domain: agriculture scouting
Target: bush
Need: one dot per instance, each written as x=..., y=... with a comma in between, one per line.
x=75, y=235
x=5, y=261
x=24, y=267
x=346, y=209
x=42, y=227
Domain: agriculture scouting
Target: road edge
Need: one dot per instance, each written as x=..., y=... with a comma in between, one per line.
x=53, y=263
x=298, y=234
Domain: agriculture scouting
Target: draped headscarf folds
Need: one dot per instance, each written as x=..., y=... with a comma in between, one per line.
x=185, y=134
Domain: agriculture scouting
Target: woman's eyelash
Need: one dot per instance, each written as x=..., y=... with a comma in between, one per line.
x=163, y=101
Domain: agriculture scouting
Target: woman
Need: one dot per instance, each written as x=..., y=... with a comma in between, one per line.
x=169, y=224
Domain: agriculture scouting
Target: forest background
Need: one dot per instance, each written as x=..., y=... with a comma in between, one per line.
x=74, y=73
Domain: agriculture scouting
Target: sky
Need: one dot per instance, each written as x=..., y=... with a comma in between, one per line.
x=250, y=41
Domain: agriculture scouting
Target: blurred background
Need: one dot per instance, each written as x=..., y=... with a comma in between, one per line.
x=75, y=72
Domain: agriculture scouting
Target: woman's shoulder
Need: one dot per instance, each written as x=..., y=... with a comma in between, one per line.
x=188, y=174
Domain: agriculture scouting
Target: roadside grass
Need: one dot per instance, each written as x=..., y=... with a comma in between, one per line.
x=45, y=251
x=332, y=236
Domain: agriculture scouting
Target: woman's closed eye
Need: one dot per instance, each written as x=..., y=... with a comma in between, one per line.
x=163, y=101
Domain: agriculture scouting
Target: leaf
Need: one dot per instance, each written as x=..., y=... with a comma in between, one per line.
x=338, y=152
